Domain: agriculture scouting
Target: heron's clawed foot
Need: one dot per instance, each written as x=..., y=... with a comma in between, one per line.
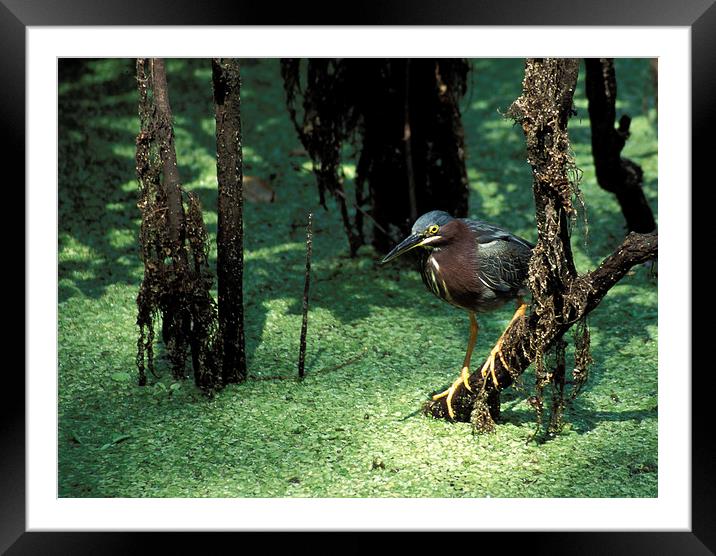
x=489, y=366
x=450, y=392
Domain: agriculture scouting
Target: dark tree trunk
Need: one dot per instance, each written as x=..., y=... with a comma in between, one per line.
x=230, y=252
x=561, y=298
x=153, y=238
x=615, y=174
x=176, y=279
x=176, y=321
x=172, y=182
x=413, y=153
x=406, y=113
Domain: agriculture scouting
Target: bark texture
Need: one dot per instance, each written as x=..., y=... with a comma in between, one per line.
x=230, y=251
x=173, y=239
x=561, y=297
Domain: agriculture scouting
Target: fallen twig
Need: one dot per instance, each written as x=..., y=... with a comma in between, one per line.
x=345, y=363
x=319, y=371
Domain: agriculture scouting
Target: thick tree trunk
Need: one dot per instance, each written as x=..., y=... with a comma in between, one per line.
x=615, y=174
x=412, y=153
x=230, y=252
x=171, y=182
x=152, y=238
x=561, y=298
x=176, y=279
x=176, y=322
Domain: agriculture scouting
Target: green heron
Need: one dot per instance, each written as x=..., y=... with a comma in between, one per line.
x=474, y=266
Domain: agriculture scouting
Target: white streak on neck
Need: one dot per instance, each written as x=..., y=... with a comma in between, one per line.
x=430, y=239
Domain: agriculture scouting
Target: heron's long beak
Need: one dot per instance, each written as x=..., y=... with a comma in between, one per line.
x=410, y=242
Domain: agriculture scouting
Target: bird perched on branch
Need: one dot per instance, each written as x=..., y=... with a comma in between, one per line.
x=474, y=266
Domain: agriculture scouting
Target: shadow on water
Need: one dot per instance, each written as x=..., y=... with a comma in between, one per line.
x=580, y=415
x=99, y=219
x=94, y=99
x=98, y=191
x=582, y=418
x=98, y=231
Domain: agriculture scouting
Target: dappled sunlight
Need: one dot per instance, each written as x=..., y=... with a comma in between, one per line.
x=378, y=342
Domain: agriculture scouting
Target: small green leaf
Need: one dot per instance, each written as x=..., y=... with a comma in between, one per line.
x=121, y=377
x=116, y=440
x=121, y=438
x=175, y=386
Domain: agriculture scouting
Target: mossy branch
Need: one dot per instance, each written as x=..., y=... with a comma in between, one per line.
x=561, y=297
x=521, y=339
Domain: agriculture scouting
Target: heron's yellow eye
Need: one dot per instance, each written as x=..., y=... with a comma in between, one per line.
x=432, y=230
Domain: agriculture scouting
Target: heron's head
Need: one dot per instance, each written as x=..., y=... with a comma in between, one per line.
x=432, y=230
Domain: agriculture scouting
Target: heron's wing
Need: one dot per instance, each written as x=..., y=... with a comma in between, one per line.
x=503, y=257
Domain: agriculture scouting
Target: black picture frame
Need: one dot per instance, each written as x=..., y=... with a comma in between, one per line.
x=700, y=16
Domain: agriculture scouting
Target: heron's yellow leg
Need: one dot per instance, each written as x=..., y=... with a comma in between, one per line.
x=489, y=366
x=465, y=373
